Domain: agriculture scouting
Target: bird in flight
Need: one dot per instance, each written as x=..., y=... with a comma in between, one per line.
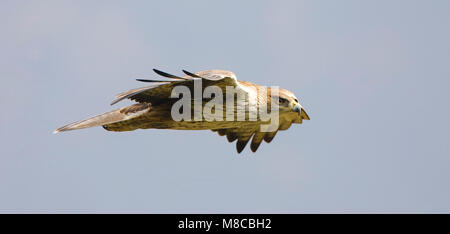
x=220, y=103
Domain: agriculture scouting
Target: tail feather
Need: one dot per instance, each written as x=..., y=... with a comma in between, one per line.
x=114, y=116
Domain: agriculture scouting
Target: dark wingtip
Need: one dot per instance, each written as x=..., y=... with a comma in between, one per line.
x=161, y=73
x=145, y=80
x=222, y=132
x=231, y=137
x=240, y=145
x=269, y=137
x=191, y=74
x=254, y=146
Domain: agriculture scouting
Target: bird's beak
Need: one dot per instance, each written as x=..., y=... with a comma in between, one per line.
x=299, y=109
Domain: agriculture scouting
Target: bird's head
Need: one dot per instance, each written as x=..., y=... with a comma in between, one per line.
x=290, y=107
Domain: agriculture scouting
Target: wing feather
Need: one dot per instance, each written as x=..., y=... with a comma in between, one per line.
x=256, y=141
x=269, y=136
x=160, y=92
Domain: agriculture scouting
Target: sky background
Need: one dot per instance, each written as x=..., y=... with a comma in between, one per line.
x=373, y=76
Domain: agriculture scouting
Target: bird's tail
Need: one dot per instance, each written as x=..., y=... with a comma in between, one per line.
x=114, y=116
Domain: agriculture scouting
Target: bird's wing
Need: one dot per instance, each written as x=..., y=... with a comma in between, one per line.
x=244, y=134
x=160, y=91
x=252, y=130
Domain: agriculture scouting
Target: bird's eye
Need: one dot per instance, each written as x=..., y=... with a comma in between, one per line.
x=296, y=100
x=282, y=100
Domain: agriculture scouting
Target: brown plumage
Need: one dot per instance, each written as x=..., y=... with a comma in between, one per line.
x=154, y=105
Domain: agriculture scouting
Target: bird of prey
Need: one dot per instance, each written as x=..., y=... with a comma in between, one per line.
x=154, y=108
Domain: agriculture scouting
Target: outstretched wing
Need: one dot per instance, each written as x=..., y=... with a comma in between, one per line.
x=160, y=91
x=252, y=131
x=244, y=134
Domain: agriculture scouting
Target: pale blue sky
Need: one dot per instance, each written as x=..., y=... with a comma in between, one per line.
x=373, y=75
